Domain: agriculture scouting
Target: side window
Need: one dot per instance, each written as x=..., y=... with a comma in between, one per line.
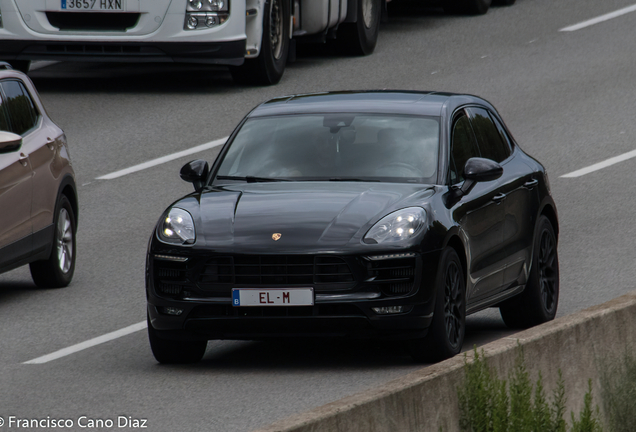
x=463, y=147
x=22, y=112
x=491, y=144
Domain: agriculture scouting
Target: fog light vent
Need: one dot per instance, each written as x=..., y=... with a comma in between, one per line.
x=169, y=288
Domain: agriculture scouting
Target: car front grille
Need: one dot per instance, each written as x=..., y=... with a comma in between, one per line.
x=216, y=276
x=259, y=270
x=87, y=21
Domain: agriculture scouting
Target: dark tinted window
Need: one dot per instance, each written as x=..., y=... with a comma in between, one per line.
x=490, y=142
x=463, y=147
x=21, y=109
x=318, y=147
x=502, y=131
x=4, y=122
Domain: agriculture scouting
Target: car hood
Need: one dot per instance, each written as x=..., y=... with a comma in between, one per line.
x=307, y=215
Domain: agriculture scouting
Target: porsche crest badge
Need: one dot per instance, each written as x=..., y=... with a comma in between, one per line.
x=276, y=236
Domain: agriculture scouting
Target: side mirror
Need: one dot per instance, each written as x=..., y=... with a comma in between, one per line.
x=9, y=142
x=195, y=172
x=479, y=170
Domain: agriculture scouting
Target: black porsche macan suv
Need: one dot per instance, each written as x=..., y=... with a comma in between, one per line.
x=388, y=214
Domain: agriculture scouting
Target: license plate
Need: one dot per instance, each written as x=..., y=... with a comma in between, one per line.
x=92, y=5
x=272, y=297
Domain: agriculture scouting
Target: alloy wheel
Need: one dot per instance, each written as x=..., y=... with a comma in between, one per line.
x=64, y=241
x=276, y=29
x=367, y=12
x=547, y=270
x=453, y=304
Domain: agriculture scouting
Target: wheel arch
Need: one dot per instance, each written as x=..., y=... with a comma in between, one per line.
x=454, y=241
x=69, y=190
x=549, y=211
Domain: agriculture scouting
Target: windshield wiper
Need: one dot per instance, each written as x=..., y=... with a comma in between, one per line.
x=252, y=179
x=350, y=179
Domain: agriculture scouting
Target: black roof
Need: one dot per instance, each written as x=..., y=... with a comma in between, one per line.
x=376, y=101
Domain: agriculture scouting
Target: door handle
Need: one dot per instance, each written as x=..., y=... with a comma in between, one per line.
x=24, y=159
x=50, y=143
x=531, y=184
x=499, y=198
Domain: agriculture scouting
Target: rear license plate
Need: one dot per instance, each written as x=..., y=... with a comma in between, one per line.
x=92, y=5
x=272, y=297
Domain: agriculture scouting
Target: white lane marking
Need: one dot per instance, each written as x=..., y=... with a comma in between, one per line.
x=163, y=159
x=601, y=165
x=88, y=344
x=599, y=19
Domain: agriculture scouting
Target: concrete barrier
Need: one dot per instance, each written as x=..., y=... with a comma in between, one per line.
x=426, y=400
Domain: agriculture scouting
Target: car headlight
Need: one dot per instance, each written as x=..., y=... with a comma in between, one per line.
x=398, y=226
x=177, y=227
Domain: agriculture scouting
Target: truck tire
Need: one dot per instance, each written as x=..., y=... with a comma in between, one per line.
x=361, y=37
x=467, y=7
x=269, y=66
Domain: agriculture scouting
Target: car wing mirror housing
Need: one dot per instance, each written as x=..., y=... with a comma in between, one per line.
x=479, y=170
x=9, y=142
x=195, y=172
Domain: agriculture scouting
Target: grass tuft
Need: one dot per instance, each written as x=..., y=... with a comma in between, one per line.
x=489, y=404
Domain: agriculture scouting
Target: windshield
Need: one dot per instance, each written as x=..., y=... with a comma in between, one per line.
x=336, y=147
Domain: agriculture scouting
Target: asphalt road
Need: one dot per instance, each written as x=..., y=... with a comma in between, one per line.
x=568, y=98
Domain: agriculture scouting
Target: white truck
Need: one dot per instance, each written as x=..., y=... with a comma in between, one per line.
x=253, y=37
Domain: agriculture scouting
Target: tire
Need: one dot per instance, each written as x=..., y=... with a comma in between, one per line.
x=175, y=352
x=467, y=7
x=503, y=2
x=268, y=68
x=21, y=65
x=539, y=300
x=445, y=336
x=57, y=271
x=361, y=37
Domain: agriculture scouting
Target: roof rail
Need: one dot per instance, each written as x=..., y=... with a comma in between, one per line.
x=5, y=65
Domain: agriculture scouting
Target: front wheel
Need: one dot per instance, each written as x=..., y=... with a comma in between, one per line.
x=360, y=38
x=446, y=334
x=175, y=352
x=57, y=271
x=539, y=300
x=467, y=7
x=269, y=66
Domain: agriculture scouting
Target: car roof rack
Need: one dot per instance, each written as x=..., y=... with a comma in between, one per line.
x=5, y=65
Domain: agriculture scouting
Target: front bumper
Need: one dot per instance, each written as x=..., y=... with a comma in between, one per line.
x=226, y=53
x=156, y=35
x=339, y=310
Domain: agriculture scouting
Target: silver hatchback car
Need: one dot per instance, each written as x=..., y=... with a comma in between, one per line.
x=38, y=195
